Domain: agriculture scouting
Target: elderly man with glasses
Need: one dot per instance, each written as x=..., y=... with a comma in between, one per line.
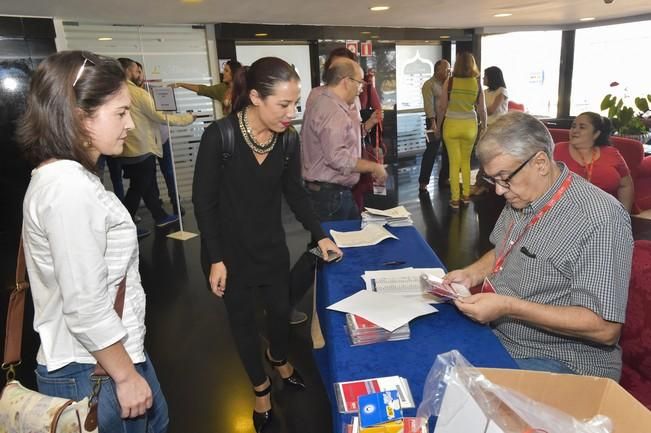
x=555, y=287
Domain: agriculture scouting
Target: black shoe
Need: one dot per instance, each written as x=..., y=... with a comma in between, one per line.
x=262, y=419
x=295, y=380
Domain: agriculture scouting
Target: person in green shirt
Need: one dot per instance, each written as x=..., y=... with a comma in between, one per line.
x=220, y=92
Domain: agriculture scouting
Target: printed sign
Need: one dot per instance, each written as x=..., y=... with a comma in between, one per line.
x=164, y=99
x=352, y=46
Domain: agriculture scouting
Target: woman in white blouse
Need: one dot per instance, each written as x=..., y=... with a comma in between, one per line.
x=496, y=96
x=80, y=243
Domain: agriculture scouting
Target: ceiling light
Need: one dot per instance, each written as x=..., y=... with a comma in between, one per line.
x=105, y=38
x=261, y=35
x=375, y=37
x=365, y=33
x=380, y=8
x=444, y=37
x=502, y=15
x=587, y=19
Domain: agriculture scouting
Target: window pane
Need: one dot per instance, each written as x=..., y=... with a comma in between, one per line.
x=607, y=54
x=530, y=63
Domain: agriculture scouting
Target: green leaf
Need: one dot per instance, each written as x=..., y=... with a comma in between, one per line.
x=606, y=103
x=642, y=105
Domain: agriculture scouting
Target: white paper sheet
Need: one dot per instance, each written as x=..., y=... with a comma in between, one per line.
x=460, y=412
x=372, y=234
x=396, y=212
x=388, y=311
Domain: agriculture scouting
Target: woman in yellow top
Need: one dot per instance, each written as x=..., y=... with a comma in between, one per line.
x=221, y=91
x=460, y=106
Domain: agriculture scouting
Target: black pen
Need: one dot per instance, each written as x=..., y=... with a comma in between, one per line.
x=393, y=263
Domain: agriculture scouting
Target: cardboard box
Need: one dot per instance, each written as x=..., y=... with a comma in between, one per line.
x=580, y=396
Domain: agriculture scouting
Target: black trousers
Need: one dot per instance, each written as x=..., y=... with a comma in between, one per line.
x=240, y=301
x=433, y=145
x=142, y=184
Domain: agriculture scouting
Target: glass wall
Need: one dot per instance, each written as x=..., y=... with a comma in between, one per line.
x=530, y=63
x=606, y=55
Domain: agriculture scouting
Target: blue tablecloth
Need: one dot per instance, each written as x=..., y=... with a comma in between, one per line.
x=431, y=335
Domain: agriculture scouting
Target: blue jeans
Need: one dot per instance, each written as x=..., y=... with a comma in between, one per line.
x=543, y=364
x=334, y=204
x=73, y=382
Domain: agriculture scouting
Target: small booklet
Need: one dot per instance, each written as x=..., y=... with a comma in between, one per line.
x=347, y=393
x=378, y=408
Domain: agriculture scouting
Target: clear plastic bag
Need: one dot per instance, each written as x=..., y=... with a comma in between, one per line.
x=512, y=411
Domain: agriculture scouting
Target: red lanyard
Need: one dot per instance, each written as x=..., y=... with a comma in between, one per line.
x=378, y=134
x=499, y=263
x=589, y=166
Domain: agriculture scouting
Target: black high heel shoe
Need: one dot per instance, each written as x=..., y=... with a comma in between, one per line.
x=262, y=419
x=295, y=380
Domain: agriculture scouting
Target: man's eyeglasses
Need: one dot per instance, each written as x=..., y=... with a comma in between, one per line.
x=506, y=183
x=359, y=82
x=81, y=70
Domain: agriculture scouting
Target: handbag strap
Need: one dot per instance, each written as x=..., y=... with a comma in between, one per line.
x=16, y=313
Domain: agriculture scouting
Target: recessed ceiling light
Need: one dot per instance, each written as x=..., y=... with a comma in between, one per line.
x=444, y=37
x=365, y=33
x=261, y=35
x=104, y=39
x=380, y=8
x=587, y=19
x=502, y=15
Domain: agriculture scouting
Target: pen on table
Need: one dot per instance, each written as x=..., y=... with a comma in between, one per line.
x=393, y=263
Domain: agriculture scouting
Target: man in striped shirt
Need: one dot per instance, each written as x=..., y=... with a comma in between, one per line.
x=562, y=258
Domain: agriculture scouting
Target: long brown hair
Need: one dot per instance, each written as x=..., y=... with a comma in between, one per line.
x=465, y=66
x=66, y=88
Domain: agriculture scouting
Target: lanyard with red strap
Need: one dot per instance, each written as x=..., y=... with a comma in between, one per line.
x=588, y=167
x=499, y=263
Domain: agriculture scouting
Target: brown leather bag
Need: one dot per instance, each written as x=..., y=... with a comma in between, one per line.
x=22, y=409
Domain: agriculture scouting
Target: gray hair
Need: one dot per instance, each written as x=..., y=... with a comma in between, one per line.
x=516, y=134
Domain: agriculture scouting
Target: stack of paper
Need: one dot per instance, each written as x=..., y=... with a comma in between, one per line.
x=394, y=217
x=370, y=235
x=362, y=331
x=347, y=393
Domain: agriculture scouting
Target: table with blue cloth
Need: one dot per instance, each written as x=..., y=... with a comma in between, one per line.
x=431, y=335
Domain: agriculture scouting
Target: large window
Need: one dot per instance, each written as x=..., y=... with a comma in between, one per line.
x=610, y=54
x=530, y=63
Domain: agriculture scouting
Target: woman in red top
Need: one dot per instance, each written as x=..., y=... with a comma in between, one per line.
x=589, y=154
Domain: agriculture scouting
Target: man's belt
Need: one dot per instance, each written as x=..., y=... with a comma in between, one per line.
x=315, y=185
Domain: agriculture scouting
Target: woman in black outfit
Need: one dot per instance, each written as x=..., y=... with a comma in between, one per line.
x=237, y=203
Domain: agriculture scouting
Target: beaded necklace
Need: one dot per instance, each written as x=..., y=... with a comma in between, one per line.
x=249, y=137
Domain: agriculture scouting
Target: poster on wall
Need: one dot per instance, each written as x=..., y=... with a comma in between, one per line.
x=352, y=46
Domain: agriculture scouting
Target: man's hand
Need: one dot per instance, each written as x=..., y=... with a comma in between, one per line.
x=460, y=276
x=379, y=173
x=217, y=278
x=484, y=307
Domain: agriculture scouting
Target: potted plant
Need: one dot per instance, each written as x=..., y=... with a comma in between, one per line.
x=626, y=121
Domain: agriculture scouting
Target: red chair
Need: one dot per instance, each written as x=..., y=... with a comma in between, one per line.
x=559, y=135
x=514, y=106
x=636, y=334
x=640, y=166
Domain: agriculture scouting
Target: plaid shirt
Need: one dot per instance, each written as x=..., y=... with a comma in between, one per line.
x=578, y=254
